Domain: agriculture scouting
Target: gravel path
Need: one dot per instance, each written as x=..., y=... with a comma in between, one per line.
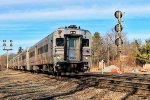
x=16, y=85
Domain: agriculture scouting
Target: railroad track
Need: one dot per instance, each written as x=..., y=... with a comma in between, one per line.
x=133, y=82
x=138, y=84
x=134, y=78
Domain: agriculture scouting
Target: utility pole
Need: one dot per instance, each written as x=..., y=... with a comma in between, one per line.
x=108, y=54
x=109, y=39
x=118, y=28
x=7, y=49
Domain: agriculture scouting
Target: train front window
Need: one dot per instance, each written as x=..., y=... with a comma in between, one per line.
x=59, y=41
x=72, y=42
x=85, y=42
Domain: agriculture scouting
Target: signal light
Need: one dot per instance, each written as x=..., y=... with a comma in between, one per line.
x=4, y=40
x=118, y=14
x=4, y=44
x=118, y=28
x=11, y=45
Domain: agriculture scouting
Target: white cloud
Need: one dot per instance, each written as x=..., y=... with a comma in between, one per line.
x=136, y=10
x=15, y=2
x=78, y=13
x=25, y=42
x=138, y=36
x=19, y=2
x=74, y=13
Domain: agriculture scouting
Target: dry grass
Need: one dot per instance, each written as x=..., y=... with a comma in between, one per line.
x=16, y=85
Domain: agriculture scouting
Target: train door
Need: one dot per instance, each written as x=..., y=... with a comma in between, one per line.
x=73, y=48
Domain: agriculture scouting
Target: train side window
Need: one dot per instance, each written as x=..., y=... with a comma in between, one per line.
x=23, y=57
x=20, y=58
x=32, y=54
x=46, y=48
x=40, y=50
x=85, y=42
x=59, y=41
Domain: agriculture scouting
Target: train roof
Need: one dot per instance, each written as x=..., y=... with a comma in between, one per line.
x=70, y=27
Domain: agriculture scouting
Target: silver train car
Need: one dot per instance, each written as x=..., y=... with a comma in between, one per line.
x=67, y=49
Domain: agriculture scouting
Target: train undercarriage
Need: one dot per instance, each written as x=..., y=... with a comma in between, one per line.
x=58, y=69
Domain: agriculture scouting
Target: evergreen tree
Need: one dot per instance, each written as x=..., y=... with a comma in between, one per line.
x=20, y=50
x=96, y=45
x=142, y=53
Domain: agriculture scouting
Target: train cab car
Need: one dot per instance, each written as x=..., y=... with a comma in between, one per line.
x=67, y=49
x=72, y=49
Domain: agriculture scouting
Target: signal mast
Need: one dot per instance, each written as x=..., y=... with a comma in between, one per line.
x=118, y=28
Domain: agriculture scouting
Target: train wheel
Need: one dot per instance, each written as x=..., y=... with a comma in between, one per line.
x=55, y=73
x=58, y=73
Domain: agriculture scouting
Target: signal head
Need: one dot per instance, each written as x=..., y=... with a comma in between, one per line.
x=118, y=14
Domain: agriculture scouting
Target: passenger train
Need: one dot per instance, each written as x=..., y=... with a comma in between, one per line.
x=66, y=50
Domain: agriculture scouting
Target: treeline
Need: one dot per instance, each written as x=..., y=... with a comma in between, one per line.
x=133, y=53
x=103, y=48
x=3, y=60
x=142, y=52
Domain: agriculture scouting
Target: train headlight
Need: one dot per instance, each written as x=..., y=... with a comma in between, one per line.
x=58, y=57
x=85, y=67
x=86, y=58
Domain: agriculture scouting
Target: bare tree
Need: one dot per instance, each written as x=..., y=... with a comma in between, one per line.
x=2, y=62
x=110, y=47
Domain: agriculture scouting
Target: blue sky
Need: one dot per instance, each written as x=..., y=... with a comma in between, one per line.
x=28, y=21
